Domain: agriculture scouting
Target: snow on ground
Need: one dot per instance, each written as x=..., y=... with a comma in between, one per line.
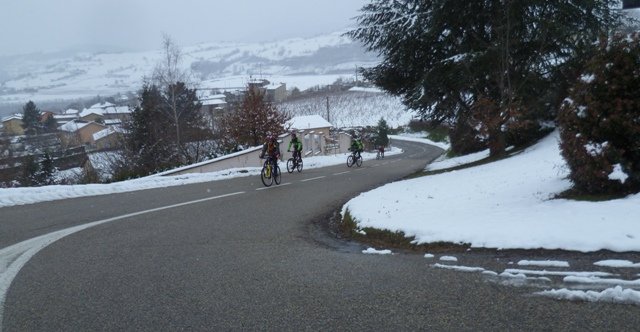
x=507, y=204
x=617, y=263
x=510, y=204
x=377, y=252
x=616, y=295
x=525, y=262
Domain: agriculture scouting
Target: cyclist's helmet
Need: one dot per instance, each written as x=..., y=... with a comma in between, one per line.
x=293, y=135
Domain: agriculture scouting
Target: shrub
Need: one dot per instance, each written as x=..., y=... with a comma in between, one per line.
x=465, y=138
x=600, y=121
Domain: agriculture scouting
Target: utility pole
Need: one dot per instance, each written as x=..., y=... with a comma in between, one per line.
x=328, y=118
x=356, y=75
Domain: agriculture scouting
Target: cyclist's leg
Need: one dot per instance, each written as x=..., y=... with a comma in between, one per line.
x=274, y=163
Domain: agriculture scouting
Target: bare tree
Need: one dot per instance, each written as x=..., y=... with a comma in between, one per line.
x=167, y=76
x=252, y=120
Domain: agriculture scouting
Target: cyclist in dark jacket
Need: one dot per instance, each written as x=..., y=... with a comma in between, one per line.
x=271, y=148
x=297, y=146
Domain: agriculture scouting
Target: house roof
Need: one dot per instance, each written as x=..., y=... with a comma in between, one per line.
x=106, y=132
x=16, y=116
x=73, y=126
x=102, y=105
x=273, y=86
x=111, y=122
x=65, y=116
x=213, y=102
x=71, y=111
x=308, y=122
x=111, y=109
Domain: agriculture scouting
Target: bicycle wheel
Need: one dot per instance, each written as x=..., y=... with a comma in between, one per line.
x=265, y=176
x=277, y=174
x=299, y=167
x=290, y=165
x=359, y=161
x=378, y=156
x=350, y=161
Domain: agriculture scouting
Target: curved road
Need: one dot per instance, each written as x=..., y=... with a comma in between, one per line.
x=232, y=255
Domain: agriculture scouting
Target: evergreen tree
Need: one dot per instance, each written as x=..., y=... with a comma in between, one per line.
x=31, y=118
x=600, y=131
x=151, y=144
x=253, y=119
x=50, y=124
x=148, y=149
x=30, y=169
x=484, y=64
x=46, y=171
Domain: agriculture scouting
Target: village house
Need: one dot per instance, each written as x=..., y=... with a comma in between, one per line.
x=77, y=132
x=214, y=107
x=12, y=125
x=66, y=116
x=313, y=131
x=276, y=92
x=106, y=113
x=108, y=138
x=272, y=92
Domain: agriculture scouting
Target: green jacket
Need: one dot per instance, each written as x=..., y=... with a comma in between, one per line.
x=357, y=145
x=297, y=145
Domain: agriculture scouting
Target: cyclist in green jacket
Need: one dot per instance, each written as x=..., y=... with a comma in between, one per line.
x=297, y=147
x=356, y=146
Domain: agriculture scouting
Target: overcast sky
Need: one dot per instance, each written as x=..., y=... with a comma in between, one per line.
x=44, y=25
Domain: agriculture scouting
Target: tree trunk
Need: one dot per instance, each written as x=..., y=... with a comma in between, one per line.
x=497, y=142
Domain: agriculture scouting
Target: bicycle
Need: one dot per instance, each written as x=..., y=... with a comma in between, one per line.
x=270, y=172
x=380, y=154
x=294, y=163
x=354, y=158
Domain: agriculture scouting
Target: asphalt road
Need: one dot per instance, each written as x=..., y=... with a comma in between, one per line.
x=231, y=255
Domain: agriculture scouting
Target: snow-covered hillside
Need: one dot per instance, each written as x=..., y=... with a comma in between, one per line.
x=356, y=107
x=296, y=62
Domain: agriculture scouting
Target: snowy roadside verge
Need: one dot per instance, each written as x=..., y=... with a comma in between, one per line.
x=507, y=204
x=30, y=195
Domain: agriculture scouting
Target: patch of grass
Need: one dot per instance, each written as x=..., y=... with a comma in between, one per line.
x=438, y=134
x=382, y=238
x=348, y=227
x=576, y=195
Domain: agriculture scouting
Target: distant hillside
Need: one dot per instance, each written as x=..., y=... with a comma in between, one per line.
x=71, y=75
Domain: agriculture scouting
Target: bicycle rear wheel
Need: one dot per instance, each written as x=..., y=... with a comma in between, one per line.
x=359, y=161
x=266, y=176
x=299, y=167
x=290, y=165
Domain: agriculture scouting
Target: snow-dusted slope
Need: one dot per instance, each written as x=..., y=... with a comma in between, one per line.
x=297, y=62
